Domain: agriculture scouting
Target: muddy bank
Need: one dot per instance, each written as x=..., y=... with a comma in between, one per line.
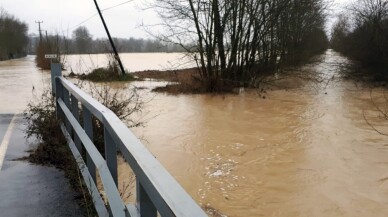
x=167, y=75
x=181, y=81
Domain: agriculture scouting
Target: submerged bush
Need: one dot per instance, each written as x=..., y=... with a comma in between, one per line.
x=106, y=75
x=110, y=73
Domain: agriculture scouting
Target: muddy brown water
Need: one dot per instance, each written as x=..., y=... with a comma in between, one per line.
x=19, y=80
x=305, y=150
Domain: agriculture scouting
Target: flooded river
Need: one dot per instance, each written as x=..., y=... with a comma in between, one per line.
x=19, y=80
x=301, y=151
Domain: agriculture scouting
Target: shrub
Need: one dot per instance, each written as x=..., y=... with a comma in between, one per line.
x=48, y=46
x=110, y=73
x=53, y=149
x=106, y=75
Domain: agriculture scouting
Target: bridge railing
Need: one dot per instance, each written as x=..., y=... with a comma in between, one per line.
x=156, y=190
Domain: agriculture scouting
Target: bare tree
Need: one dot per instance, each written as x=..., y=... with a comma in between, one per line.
x=367, y=39
x=237, y=40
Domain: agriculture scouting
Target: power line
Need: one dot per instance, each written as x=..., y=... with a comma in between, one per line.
x=116, y=5
x=86, y=20
x=106, y=9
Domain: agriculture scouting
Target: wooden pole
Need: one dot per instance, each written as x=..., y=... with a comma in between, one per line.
x=117, y=57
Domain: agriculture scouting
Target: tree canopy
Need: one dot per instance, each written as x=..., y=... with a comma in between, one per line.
x=13, y=36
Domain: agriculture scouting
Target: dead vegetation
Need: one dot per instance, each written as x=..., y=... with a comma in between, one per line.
x=185, y=81
x=109, y=73
x=53, y=150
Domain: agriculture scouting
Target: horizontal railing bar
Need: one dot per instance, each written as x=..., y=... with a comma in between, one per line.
x=166, y=193
x=96, y=108
x=116, y=204
x=92, y=188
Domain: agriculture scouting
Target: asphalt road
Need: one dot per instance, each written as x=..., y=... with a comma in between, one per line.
x=27, y=189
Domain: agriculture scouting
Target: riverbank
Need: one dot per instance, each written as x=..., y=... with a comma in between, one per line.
x=188, y=81
x=12, y=57
x=181, y=81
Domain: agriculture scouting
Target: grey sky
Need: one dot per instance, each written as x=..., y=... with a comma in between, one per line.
x=63, y=15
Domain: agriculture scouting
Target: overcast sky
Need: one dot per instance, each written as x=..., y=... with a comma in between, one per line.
x=65, y=15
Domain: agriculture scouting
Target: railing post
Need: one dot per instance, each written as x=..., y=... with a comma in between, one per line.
x=144, y=203
x=75, y=111
x=88, y=127
x=59, y=94
x=111, y=154
x=155, y=188
x=66, y=100
x=56, y=70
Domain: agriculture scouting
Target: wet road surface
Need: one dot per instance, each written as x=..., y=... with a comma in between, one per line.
x=27, y=189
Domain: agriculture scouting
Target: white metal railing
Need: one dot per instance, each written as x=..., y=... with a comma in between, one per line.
x=156, y=190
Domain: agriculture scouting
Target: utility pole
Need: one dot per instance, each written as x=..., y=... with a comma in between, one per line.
x=40, y=31
x=117, y=57
x=47, y=41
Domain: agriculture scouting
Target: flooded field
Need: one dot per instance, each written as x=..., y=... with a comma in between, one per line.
x=131, y=61
x=301, y=151
x=19, y=80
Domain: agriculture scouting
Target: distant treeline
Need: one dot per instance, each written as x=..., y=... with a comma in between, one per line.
x=363, y=36
x=13, y=36
x=82, y=42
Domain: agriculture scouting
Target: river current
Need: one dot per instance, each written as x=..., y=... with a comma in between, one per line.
x=302, y=150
